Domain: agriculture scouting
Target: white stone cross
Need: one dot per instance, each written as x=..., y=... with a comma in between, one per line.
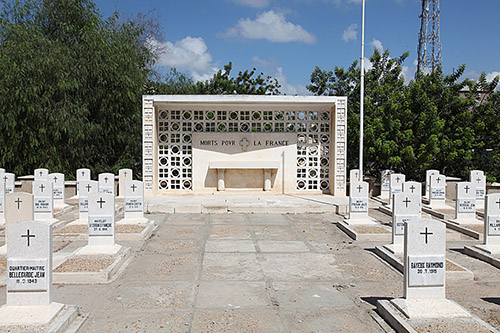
x=244, y=143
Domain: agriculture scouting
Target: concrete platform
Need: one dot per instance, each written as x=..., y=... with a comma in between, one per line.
x=246, y=202
x=479, y=253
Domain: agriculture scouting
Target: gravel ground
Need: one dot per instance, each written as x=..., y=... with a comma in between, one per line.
x=85, y=264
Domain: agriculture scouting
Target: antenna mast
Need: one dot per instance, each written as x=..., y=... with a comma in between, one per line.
x=429, y=44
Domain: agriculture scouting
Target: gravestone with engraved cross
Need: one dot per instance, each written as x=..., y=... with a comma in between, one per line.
x=81, y=175
x=413, y=188
x=405, y=208
x=124, y=176
x=101, y=219
x=18, y=207
x=492, y=225
x=424, y=259
x=43, y=202
x=41, y=174
x=396, y=181
x=29, y=263
x=428, y=175
x=353, y=175
x=134, y=200
x=9, y=180
x=465, y=205
x=385, y=184
x=107, y=183
x=86, y=188
x=437, y=192
x=358, y=200
x=478, y=180
x=57, y=180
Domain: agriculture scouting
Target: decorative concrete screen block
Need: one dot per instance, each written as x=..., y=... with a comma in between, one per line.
x=107, y=183
x=405, y=208
x=134, y=199
x=43, y=202
x=353, y=175
x=41, y=174
x=424, y=259
x=358, y=200
x=124, y=175
x=465, y=208
x=81, y=175
x=101, y=219
x=396, y=181
x=437, y=189
x=9, y=179
x=87, y=187
x=385, y=184
x=18, y=207
x=318, y=155
x=29, y=263
x=57, y=180
x=428, y=175
x=413, y=188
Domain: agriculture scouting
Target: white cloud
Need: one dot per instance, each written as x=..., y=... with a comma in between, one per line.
x=350, y=33
x=190, y=53
x=287, y=88
x=491, y=76
x=266, y=63
x=271, y=26
x=377, y=45
x=252, y=3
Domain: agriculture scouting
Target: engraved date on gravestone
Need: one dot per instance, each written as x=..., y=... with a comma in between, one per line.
x=480, y=193
x=494, y=225
x=385, y=185
x=27, y=274
x=359, y=204
x=438, y=193
x=84, y=204
x=107, y=190
x=42, y=205
x=101, y=225
x=400, y=223
x=58, y=192
x=426, y=271
x=466, y=206
x=133, y=204
x=396, y=190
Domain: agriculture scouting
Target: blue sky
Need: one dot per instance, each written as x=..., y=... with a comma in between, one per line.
x=288, y=38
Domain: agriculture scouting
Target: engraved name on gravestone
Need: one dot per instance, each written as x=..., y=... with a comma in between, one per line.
x=438, y=187
x=42, y=198
x=29, y=263
x=134, y=199
x=81, y=175
x=358, y=199
x=428, y=175
x=385, y=180
x=57, y=180
x=124, y=176
x=86, y=188
x=9, y=180
x=107, y=183
x=41, y=174
x=396, y=181
x=101, y=219
x=466, y=201
x=425, y=262
x=478, y=180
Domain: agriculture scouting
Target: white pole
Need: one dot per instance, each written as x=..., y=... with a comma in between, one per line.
x=362, y=97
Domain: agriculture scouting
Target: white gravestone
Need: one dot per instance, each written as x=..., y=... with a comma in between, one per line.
x=2, y=202
x=101, y=219
x=134, y=201
x=124, y=176
x=9, y=181
x=57, y=180
x=43, y=202
x=437, y=192
x=29, y=275
x=354, y=175
x=41, y=174
x=358, y=203
x=425, y=273
x=478, y=180
x=428, y=175
x=385, y=184
x=87, y=187
x=413, y=188
x=405, y=208
x=396, y=181
x=18, y=207
x=81, y=175
x=107, y=183
x=465, y=206
x=492, y=224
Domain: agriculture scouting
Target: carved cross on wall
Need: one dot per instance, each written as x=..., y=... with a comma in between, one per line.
x=28, y=236
x=244, y=143
x=426, y=233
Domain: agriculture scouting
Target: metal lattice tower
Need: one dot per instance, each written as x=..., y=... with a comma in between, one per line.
x=429, y=44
